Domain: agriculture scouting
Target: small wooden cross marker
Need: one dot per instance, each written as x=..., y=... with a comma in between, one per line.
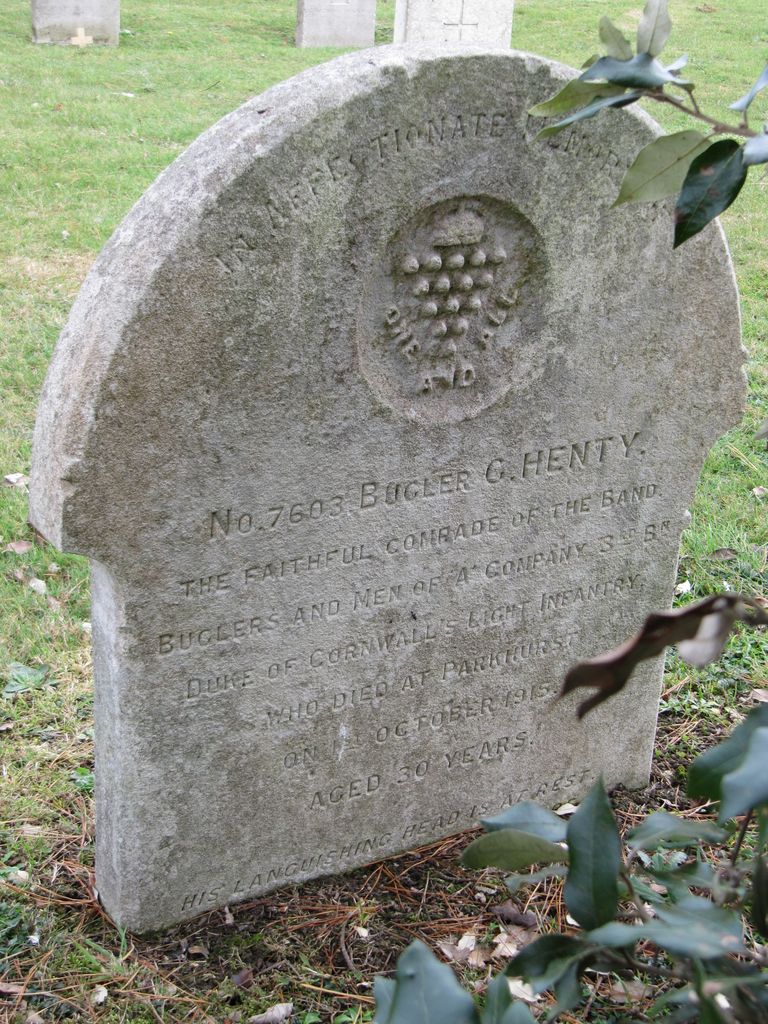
x=81, y=39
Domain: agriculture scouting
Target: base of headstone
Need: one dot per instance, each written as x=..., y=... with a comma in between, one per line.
x=76, y=22
x=339, y=23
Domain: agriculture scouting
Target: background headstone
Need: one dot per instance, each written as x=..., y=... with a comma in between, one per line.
x=478, y=22
x=335, y=23
x=76, y=22
x=373, y=417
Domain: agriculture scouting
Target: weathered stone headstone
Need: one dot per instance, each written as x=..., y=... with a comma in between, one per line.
x=335, y=23
x=479, y=22
x=373, y=417
x=76, y=22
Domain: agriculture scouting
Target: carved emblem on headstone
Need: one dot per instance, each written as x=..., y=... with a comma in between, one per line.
x=451, y=310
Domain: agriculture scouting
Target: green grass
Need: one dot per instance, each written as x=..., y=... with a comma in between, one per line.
x=82, y=135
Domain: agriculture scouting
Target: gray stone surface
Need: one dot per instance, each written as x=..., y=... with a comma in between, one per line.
x=76, y=22
x=373, y=416
x=431, y=22
x=342, y=23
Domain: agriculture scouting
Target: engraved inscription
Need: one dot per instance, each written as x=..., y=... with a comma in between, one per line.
x=450, y=322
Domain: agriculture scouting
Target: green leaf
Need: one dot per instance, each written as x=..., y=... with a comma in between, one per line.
x=659, y=169
x=591, y=890
x=518, y=1013
x=383, y=992
x=756, y=150
x=23, y=678
x=547, y=959
x=759, y=915
x=622, y=100
x=759, y=85
x=665, y=829
x=498, y=1001
x=615, y=935
x=574, y=94
x=613, y=40
x=512, y=850
x=641, y=72
x=747, y=786
x=529, y=817
x=654, y=28
x=706, y=773
x=515, y=882
x=713, y=181
x=424, y=991
x=567, y=990
x=695, y=927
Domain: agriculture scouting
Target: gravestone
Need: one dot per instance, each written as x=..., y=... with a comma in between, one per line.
x=76, y=22
x=479, y=22
x=373, y=417
x=343, y=23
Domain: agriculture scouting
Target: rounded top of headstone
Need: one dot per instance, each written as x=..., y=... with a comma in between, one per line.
x=374, y=251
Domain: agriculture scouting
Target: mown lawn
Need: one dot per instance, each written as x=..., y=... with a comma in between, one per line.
x=82, y=134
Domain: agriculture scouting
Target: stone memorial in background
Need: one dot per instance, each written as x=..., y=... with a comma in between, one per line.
x=342, y=23
x=76, y=22
x=373, y=417
x=479, y=22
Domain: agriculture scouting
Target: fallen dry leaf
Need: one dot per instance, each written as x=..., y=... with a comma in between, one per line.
x=724, y=554
x=479, y=957
x=99, y=996
x=700, y=631
x=199, y=951
x=274, y=1015
x=564, y=809
x=759, y=695
x=39, y=586
x=6, y=989
x=16, y=480
x=629, y=991
x=6, y=726
x=506, y=946
x=510, y=913
x=519, y=990
x=760, y=492
x=243, y=978
x=18, y=547
x=684, y=588
x=229, y=917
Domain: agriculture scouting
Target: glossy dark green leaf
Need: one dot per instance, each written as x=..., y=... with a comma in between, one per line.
x=695, y=927
x=760, y=84
x=615, y=935
x=529, y=817
x=614, y=41
x=746, y=787
x=424, y=991
x=498, y=1001
x=713, y=181
x=516, y=882
x=759, y=915
x=622, y=100
x=641, y=72
x=591, y=891
x=756, y=150
x=654, y=28
x=567, y=990
x=512, y=850
x=706, y=773
x=518, y=1013
x=547, y=959
x=659, y=169
x=383, y=993
x=662, y=829
x=574, y=94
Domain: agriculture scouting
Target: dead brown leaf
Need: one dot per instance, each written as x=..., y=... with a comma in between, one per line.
x=509, y=912
x=724, y=554
x=16, y=480
x=243, y=978
x=759, y=695
x=760, y=492
x=18, y=547
x=700, y=631
x=274, y=1015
